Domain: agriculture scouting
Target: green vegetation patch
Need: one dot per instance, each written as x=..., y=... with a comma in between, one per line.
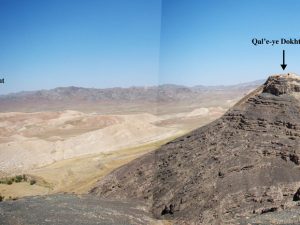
x=17, y=179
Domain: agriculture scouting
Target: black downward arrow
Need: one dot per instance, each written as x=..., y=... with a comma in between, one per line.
x=283, y=65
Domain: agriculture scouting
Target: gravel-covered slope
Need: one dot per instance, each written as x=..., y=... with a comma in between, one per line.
x=72, y=210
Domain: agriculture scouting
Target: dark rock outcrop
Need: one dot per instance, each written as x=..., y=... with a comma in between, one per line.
x=278, y=85
x=297, y=195
x=244, y=164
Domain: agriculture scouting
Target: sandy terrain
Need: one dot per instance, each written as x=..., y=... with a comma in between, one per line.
x=33, y=140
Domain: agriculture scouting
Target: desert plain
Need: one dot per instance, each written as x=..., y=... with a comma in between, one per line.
x=69, y=148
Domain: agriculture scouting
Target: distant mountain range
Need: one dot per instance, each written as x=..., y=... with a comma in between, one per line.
x=92, y=99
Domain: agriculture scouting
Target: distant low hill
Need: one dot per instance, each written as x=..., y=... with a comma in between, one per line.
x=133, y=99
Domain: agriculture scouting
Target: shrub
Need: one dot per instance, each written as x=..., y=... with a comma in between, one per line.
x=10, y=180
x=32, y=182
x=18, y=178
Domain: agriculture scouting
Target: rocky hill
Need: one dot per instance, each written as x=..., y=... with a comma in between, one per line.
x=240, y=166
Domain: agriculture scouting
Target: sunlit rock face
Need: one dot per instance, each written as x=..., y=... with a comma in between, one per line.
x=282, y=84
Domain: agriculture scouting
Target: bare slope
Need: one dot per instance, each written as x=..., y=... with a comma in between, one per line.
x=244, y=164
x=37, y=139
x=70, y=209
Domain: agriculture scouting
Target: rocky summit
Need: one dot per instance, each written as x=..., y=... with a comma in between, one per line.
x=242, y=166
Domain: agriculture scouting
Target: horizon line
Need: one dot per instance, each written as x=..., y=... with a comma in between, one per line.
x=133, y=86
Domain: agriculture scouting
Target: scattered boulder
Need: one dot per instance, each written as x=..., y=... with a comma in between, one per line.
x=296, y=196
x=168, y=210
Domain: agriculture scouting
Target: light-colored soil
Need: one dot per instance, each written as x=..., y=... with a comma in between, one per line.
x=71, y=151
x=79, y=174
x=17, y=190
x=35, y=141
x=76, y=175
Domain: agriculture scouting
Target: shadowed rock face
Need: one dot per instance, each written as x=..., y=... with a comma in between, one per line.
x=242, y=165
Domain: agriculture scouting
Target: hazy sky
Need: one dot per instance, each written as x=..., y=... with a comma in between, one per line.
x=105, y=43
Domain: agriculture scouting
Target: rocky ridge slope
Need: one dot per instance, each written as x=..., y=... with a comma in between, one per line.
x=242, y=165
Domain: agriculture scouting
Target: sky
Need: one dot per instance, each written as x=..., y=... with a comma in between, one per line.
x=108, y=43
x=209, y=42
x=88, y=43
